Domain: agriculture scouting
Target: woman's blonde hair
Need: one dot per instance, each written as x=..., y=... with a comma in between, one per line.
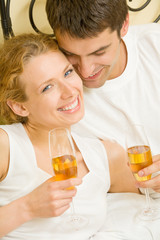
x=14, y=54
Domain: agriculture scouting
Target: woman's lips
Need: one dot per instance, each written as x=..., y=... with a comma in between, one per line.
x=71, y=107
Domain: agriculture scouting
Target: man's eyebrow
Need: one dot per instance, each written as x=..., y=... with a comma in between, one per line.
x=65, y=51
x=99, y=50
x=92, y=53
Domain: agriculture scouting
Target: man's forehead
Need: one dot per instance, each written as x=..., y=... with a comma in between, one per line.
x=88, y=45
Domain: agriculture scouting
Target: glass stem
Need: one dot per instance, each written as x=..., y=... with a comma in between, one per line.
x=148, y=200
x=72, y=208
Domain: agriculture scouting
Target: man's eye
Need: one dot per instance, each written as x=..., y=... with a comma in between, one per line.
x=68, y=72
x=99, y=53
x=46, y=88
x=68, y=54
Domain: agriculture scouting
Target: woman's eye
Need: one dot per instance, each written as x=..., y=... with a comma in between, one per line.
x=68, y=72
x=46, y=88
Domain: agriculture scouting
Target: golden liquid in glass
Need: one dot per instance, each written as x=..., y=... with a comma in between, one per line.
x=64, y=167
x=139, y=158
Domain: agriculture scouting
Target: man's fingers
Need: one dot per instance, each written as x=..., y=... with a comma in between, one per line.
x=156, y=158
x=153, y=183
x=153, y=168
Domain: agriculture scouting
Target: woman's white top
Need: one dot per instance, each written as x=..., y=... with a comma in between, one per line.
x=24, y=175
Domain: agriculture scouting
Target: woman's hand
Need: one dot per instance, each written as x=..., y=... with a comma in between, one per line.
x=154, y=182
x=52, y=198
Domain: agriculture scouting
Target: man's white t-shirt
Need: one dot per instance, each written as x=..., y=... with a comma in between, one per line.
x=133, y=97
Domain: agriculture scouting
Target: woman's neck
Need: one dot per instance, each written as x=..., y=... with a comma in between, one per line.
x=38, y=135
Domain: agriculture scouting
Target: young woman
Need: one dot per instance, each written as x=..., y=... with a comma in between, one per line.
x=39, y=91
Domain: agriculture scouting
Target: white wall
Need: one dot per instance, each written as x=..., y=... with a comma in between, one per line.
x=148, y=14
x=19, y=11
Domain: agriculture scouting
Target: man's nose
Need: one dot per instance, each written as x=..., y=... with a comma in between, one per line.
x=85, y=67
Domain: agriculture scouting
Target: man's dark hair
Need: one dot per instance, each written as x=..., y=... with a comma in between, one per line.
x=86, y=18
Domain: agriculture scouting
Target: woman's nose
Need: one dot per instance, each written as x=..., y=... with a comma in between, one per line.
x=67, y=90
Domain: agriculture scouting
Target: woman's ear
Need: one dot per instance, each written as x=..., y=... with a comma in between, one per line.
x=18, y=108
x=125, y=26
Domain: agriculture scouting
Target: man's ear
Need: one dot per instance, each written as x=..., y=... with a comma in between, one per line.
x=125, y=26
x=18, y=108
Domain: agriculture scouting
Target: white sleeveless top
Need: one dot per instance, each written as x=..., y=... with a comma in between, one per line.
x=24, y=175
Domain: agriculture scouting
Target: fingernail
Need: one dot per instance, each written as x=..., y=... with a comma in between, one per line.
x=70, y=188
x=141, y=173
x=137, y=185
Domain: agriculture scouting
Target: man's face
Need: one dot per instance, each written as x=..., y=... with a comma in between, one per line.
x=95, y=59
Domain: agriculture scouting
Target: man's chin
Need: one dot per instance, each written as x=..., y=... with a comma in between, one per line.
x=92, y=84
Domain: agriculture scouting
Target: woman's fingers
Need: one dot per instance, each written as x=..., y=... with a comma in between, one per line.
x=63, y=194
x=65, y=183
x=60, y=206
x=51, y=198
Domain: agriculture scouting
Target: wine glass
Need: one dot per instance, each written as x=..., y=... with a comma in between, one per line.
x=139, y=155
x=64, y=164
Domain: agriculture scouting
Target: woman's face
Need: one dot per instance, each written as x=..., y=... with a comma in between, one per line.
x=54, y=91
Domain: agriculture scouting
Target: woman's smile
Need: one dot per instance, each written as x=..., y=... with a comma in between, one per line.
x=71, y=107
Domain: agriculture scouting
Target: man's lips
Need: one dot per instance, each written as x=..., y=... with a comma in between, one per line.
x=93, y=76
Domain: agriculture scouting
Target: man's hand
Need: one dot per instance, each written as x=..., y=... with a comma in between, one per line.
x=154, y=182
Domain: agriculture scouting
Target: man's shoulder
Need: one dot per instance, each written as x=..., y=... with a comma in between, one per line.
x=143, y=36
x=144, y=29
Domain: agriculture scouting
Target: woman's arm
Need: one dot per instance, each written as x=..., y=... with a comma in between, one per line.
x=50, y=199
x=121, y=176
x=54, y=202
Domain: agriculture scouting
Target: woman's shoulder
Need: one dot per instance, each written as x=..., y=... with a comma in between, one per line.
x=15, y=127
x=3, y=137
x=4, y=150
x=7, y=132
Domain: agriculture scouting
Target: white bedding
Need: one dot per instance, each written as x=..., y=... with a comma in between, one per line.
x=122, y=222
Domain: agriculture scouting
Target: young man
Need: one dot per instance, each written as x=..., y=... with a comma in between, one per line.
x=120, y=69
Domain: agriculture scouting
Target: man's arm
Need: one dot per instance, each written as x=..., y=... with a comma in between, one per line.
x=122, y=179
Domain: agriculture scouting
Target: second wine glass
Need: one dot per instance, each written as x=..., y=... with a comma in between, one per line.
x=64, y=164
x=140, y=156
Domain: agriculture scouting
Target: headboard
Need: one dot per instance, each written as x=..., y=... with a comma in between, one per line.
x=24, y=12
